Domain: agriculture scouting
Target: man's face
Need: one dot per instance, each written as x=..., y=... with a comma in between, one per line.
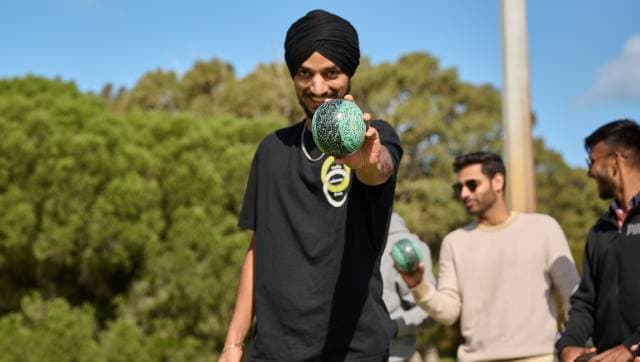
x=601, y=169
x=477, y=191
x=318, y=79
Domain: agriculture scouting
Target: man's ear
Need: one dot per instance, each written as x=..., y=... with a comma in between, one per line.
x=497, y=182
x=620, y=162
x=616, y=165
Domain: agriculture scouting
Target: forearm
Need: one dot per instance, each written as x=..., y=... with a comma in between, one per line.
x=243, y=311
x=442, y=306
x=579, y=326
x=379, y=172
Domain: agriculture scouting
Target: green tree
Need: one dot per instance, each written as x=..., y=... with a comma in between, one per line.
x=134, y=216
x=267, y=92
x=204, y=83
x=157, y=90
x=48, y=331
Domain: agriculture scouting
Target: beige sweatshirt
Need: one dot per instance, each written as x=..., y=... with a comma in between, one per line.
x=499, y=280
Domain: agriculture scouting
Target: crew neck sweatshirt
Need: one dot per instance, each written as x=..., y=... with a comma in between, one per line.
x=499, y=281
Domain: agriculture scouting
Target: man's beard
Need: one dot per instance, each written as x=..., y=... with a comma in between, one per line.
x=483, y=203
x=606, y=187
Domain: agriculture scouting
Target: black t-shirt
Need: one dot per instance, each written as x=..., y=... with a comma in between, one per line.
x=318, y=290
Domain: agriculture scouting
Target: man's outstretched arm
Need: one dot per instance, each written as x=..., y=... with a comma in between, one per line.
x=372, y=163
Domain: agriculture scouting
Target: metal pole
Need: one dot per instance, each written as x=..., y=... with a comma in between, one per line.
x=516, y=107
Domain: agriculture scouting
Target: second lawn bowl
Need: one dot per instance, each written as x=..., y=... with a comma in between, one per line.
x=338, y=127
x=406, y=255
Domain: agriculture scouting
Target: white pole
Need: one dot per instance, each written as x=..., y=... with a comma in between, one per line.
x=516, y=107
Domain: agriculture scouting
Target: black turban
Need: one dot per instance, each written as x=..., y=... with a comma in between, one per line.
x=328, y=34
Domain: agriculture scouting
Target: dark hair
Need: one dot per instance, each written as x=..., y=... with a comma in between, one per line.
x=624, y=133
x=491, y=163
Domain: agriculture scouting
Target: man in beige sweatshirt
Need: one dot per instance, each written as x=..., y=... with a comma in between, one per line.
x=499, y=273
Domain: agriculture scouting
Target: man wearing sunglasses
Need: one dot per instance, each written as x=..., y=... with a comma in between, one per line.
x=606, y=306
x=499, y=273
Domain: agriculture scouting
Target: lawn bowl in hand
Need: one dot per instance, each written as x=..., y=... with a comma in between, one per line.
x=338, y=127
x=406, y=255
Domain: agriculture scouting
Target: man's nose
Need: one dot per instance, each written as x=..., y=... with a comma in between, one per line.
x=319, y=86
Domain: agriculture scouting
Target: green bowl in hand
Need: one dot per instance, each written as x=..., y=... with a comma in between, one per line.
x=406, y=255
x=338, y=127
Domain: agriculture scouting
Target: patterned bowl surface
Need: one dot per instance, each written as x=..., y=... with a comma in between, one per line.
x=406, y=254
x=338, y=128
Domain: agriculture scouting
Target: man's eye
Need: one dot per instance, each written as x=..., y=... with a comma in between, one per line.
x=332, y=74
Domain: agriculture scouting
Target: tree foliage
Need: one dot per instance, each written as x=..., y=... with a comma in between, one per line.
x=124, y=227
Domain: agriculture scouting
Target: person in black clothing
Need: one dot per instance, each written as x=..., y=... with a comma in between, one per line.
x=606, y=305
x=311, y=274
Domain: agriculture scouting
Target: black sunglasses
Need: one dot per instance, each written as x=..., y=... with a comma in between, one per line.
x=472, y=185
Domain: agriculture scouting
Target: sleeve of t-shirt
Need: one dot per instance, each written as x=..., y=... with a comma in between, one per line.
x=560, y=264
x=248, y=213
x=389, y=138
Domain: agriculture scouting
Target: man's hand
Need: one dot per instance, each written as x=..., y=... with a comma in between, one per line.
x=616, y=354
x=412, y=279
x=571, y=353
x=233, y=354
x=372, y=163
x=369, y=154
x=634, y=349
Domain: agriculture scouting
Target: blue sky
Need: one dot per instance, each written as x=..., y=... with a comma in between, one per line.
x=584, y=55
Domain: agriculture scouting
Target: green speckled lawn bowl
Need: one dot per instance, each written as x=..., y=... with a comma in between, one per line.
x=406, y=255
x=338, y=128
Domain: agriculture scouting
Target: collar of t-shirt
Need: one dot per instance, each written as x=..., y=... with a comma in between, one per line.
x=620, y=213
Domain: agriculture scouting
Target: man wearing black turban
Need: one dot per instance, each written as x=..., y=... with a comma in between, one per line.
x=327, y=34
x=312, y=271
